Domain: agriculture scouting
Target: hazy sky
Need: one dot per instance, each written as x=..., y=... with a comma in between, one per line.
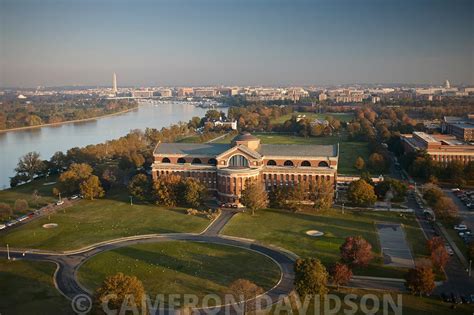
x=268, y=42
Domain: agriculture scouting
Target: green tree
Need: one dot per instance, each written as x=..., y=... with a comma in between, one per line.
x=140, y=187
x=360, y=193
x=254, y=196
x=30, y=165
x=311, y=277
x=119, y=288
x=58, y=162
x=91, y=188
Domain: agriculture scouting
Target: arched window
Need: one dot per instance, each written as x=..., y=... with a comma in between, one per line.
x=323, y=164
x=181, y=161
x=212, y=161
x=271, y=163
x=238, y=161
x=305, y=163
x=288, y=163
x=196, y=161
x=165, y=160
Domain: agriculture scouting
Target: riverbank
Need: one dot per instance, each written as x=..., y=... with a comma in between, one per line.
x=70, y=121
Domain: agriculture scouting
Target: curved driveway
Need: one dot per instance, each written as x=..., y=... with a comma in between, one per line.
x=69, y=262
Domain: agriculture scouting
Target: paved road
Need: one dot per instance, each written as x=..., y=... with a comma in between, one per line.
x=458, y=280
x=69, y=262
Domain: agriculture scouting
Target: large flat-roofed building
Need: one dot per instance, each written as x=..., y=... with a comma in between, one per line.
x=226, y=168
x=461, y=127
x=442, y=148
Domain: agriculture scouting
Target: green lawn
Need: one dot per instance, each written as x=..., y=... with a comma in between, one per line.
x=287, y=230
x=27, y=288
x=409, y=304
x=182, y=267
x=43, y=187
x=339, y=116
x=89, y=222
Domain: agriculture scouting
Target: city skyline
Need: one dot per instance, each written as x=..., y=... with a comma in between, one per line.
x=270, y=43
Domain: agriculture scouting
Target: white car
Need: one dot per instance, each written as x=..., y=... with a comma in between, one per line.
x=460, y=227
x=2, y=226
x=74, y=197
x=60, y=202
x=449, y=250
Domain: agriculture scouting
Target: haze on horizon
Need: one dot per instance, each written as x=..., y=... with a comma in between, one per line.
x=260, y=42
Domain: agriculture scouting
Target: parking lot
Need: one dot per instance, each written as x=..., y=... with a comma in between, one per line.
x=395, y=249
x=464, y=199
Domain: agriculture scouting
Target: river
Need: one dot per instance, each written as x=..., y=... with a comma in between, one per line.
x=49, y=139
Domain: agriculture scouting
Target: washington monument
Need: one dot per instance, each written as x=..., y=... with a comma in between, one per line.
x=114, y=84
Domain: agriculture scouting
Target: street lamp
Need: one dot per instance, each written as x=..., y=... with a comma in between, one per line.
x=8, y=252
x=131, y=200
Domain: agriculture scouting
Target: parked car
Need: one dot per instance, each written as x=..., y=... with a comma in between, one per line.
x=455, y=298
x=460, y=227
x=74, y=197
x=2, y=226
x=465, y=299
x=449, y=250
x=59, y=202
x=445, y=297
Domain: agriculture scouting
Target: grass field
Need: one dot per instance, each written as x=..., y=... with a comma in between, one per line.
x=409, y=304
x=43, y=187
x=27, y=288
x=287, y=230
x=89, y=222
x=339, y=116
x=348, y=150
x=182, y=267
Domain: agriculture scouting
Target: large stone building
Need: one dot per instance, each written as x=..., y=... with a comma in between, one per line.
x=226, y=168
x=442, y=148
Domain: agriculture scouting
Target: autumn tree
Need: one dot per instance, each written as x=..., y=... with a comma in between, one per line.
x=311, y=277
x=446, y=210
x=20, y=205
x=91, y=188
x=340, y=274
x=377, y=162
x=140, y=187
x=193, y=192
x=243, y=292
x=359, y=163
x=439, y=255
x=5, y=211
x=470, y=251
x=360, y=193
x=119, y=288
x=420, y=280
x=356, y=251
x=254, y=196
x=322, y=194
x=74, y=176
x=30, y=165
x=165, y=190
